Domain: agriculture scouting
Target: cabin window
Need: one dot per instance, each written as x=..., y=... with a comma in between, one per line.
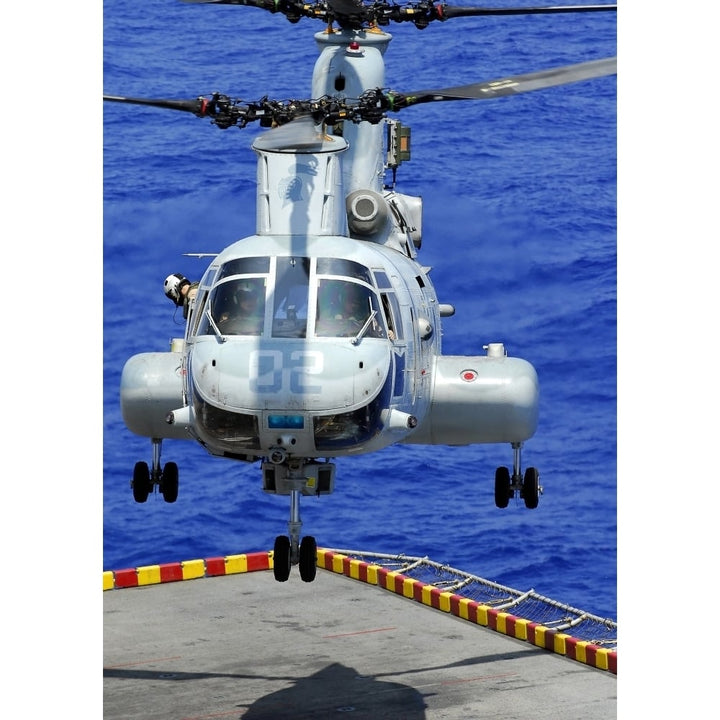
x=399, y=383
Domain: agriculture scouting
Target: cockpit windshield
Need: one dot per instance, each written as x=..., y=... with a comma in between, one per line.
x=344, y=308
x=238, y=306
x=290, y=297
x=344, y=268
x=341, y=292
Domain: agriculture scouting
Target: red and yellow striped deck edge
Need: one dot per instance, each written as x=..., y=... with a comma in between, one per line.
x=449, y=602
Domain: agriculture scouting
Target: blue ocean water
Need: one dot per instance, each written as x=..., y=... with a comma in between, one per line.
x=519, y=228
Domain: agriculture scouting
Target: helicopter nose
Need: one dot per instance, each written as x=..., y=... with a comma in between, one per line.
x=312, y=376
x=287, y=385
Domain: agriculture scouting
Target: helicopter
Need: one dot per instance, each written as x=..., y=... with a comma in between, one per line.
x=299, y=380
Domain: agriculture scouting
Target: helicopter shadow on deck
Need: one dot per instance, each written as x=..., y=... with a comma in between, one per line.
x=334, y=689
x=337, y=689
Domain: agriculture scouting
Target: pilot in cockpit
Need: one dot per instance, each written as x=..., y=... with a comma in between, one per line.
x=354, y=306
x=343, y=308
x=239, y=308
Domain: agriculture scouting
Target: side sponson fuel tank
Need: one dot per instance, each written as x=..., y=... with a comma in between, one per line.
x=480, y=399
x=150, y=387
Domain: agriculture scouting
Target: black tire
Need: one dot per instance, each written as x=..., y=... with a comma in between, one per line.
x=141, y=485
x=308, y=558
x=170, y=483
x=281, y=558
x=502, y=487
x=531, y=488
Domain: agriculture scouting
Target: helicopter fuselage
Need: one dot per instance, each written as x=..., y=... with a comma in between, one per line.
x=320, y=335
x=304, y=382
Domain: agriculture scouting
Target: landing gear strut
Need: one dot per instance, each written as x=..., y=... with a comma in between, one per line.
x=296, y=477
x=145, y=478
x=527, y=486
x=291, y=551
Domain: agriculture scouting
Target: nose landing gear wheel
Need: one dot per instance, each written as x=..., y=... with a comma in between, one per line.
x=503, y=490
x=308, y=558
x=281, y=558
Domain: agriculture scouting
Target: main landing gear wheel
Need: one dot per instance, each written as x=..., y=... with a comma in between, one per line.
x=308, y=558
x=531, y=488
x=510, y=485
x=503, y=489
x=145, y=479
x=169, y=483
x=281, y=558
x=141, y=484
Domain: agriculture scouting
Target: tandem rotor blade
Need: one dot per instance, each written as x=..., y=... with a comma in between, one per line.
x=353, y=7
x=196, y=107
x=513, y=85
x=446, y=11
x=356, y=14
x=371, y=106
x=270, y=5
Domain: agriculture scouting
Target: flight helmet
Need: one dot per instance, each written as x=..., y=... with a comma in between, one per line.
x=173, y=285
x=247, y=291
x=247, y=288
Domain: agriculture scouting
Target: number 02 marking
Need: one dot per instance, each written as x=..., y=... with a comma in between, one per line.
x=272, y=371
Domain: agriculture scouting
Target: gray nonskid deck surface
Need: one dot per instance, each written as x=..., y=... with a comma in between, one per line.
x=246, y=646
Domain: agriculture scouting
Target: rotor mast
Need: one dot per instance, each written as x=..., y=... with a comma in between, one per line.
x=351, y=62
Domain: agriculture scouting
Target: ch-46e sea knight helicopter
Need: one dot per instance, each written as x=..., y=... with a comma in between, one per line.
x=319, y=335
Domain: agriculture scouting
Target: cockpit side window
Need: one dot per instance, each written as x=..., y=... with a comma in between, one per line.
x=382, y=280
x=290, y=297
x=343, y=307
x=198, y=317
x=392, y=313
x=198, y=323
x=390, y=305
